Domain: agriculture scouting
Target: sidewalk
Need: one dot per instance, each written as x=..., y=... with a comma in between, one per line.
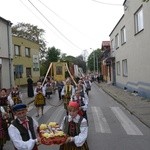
x=136, y=105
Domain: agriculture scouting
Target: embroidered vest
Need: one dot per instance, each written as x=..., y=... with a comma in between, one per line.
x=72, y=128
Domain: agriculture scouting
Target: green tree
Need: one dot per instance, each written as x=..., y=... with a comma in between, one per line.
x=31, y=32
x=52, y=55
x=93, y=62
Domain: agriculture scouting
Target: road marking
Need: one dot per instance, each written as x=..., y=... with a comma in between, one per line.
x=128, y=125
x=100, y=122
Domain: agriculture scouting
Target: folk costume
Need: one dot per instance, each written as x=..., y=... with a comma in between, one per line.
x=39, y=96
x=23, y=133
x=16, y=96
x=77, y=129
x=67, y=92
x=83, y=104
x=48, y=89
x=6, y=116
x=39, y=101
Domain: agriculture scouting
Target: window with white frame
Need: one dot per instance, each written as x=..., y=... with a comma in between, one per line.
x=117, y=41
x=112, y=45
x=27, y=51
x=123, y=35
x=139, y=21
x=118, y=67
x=124, y=68
x=17, y=50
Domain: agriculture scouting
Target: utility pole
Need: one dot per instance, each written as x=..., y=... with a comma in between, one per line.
x=97, y=63
x=94, y=60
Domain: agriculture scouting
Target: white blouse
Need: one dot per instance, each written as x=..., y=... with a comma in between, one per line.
x=79, y=139
x=17, y=139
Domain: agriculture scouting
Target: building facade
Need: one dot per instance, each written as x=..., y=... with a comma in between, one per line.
x=131, y=48
x=105, y=66
x=6, y=54
x=26, y=60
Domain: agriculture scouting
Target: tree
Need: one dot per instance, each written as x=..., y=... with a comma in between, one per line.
x=93, y=61
x=30, y=32
x=145, y=0
x=52, y=55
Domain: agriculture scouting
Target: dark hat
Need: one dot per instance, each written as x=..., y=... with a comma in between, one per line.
x=18, y=107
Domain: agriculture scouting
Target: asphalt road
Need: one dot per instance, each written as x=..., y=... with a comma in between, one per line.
x=111, y=126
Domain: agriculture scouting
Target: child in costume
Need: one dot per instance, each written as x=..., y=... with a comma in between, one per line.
x=76, y=128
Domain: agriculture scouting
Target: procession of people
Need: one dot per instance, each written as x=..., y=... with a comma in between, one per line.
x=21, y=129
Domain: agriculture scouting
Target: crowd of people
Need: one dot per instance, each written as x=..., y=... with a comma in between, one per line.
x=21, y=129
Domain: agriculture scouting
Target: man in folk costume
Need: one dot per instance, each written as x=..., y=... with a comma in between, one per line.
x=67, y=92
x=39, y=101
x=23, y=130
x=6, y=116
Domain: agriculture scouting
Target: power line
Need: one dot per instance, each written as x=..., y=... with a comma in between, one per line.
x=63, y=19
x=53, y=25
x=107, y=3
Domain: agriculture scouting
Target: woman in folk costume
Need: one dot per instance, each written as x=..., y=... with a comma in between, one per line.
x=39, y=101
x=75, y=126
x=6, y=116
x=23, y=130
x=67, y=92
x=15, y=95
x=83, y=103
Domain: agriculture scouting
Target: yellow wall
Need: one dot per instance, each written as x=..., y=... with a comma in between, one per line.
x=27, y=62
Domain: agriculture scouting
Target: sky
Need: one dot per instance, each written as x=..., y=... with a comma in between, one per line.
x=75, y=27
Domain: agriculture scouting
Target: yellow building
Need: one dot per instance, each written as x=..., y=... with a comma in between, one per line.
x=25, y=60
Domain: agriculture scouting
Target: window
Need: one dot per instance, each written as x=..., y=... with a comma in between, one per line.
x=17, y=50
x=124, y=68
x=118, y=68
x=123, y=35
x=18, y=71
x=139, y=22
x=112, y=45
x=117, y=41
x=28, y=72
x=27, y=51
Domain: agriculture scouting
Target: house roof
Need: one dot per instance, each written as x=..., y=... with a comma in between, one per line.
x=105, y=44
x=8, y=22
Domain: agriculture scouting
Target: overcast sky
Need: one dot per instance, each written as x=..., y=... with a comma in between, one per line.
x=73, y=26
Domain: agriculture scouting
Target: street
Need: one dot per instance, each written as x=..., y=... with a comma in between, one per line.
x=111, y=126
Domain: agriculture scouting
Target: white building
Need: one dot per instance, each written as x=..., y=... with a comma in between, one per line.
x=130, y=48
x=6, y=56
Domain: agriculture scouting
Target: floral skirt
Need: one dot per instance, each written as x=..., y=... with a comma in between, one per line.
x=72, y=146
x=39, y=100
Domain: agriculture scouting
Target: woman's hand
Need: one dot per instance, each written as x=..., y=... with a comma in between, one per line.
x=69, y=139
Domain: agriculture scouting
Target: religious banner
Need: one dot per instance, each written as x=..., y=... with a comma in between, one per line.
x=59, y=71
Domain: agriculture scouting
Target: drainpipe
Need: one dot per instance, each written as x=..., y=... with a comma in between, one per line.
x=9, y=52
